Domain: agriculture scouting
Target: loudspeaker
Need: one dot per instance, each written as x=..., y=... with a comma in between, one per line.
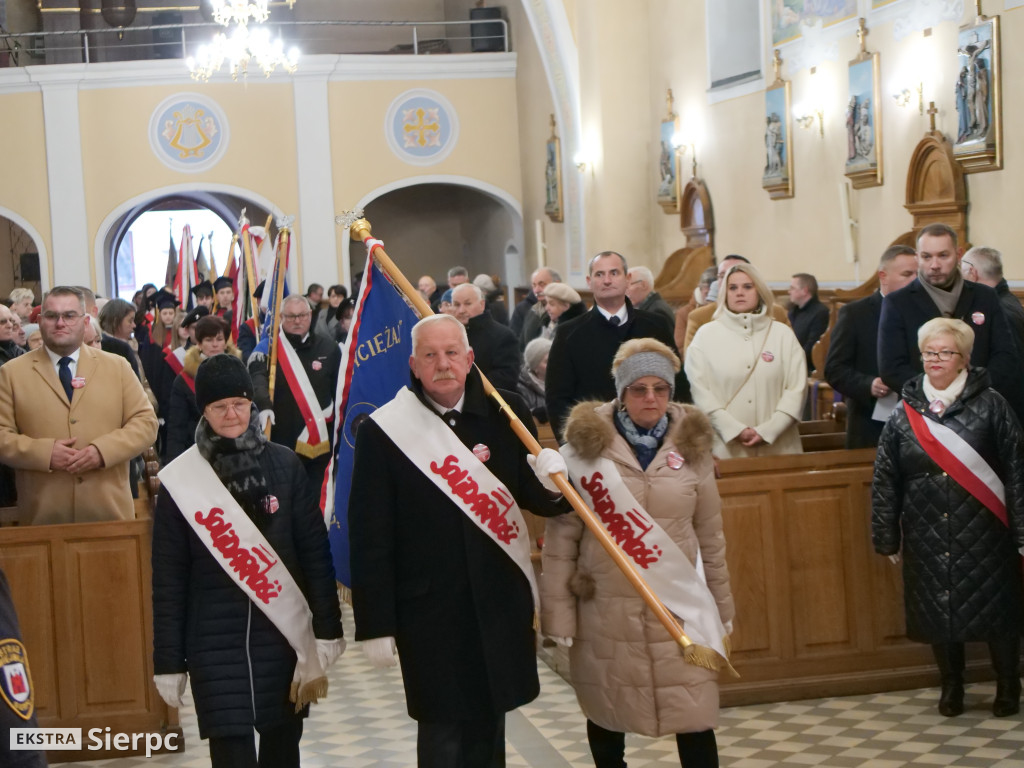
x=29, y=267
x=487, y=38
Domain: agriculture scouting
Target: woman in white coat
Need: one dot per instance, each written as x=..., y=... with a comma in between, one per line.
x=747, y=372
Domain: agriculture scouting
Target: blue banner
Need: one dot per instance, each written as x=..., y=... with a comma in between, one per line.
x=374, y=366
x=280, y=273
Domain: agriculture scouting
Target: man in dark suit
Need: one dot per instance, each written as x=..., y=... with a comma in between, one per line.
x=985, y=265
x=580, y=361
x=426, y=576
x=807, y=315
x=941, y=291
x=495, y=348
x=852, y=363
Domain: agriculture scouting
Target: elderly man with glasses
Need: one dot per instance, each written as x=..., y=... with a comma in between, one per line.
x=71, y=419
x=302, y=406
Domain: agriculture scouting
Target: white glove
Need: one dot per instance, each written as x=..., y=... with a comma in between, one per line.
x=565, y=642
x=380, y=651
x=546, y=463
x=328, y=651
x=266, y=417
x=895, y=559
x=728, y=627
x=172, y=688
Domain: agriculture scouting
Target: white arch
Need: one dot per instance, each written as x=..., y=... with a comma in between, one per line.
x=112, y=218
x=45, y=268
x=513, y=204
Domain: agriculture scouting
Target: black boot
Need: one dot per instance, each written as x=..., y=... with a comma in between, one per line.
x=1006, y=662
x=697, y=750
x=950, y=658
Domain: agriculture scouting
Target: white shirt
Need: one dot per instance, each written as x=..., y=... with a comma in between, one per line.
x=622, y=314
x=55, y=359
x=442, y=409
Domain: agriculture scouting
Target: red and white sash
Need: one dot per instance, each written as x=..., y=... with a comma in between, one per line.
x=239, y=548
x=176, y=359
x=651, y=552
x=313, y=441
x=459, y=475
x=961, y=461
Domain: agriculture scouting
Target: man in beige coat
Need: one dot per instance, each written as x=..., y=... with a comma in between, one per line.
x=71, y=418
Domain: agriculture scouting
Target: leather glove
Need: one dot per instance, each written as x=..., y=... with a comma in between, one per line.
x=328, y=651
x=266, y=417
x=380, y=651
x=565, y=642
x=172, y=688
x=546, y=463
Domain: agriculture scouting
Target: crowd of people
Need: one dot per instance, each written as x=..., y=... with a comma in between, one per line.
x=929, y=365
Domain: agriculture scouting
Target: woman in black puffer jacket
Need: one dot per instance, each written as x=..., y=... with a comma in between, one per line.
x=961, y=567
x=204, y=625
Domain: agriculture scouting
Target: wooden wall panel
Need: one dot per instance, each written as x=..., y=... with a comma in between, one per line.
x=751, y=562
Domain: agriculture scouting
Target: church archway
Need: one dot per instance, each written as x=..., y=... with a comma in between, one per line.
x=24, y=261
x=429, y=224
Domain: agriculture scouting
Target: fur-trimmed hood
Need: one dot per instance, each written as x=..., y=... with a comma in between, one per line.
x=591, y=431
x=194, y=356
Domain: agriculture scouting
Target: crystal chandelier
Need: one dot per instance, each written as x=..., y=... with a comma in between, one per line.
x=242, y=46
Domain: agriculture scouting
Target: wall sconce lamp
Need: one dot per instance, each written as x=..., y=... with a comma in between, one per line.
x=806, y=121
x=582, y=160
x=903, y=97
x=680, y=144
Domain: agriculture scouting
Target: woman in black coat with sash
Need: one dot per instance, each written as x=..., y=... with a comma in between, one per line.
x=948, y=494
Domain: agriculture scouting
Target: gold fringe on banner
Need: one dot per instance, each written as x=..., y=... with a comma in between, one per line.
x=308, y=693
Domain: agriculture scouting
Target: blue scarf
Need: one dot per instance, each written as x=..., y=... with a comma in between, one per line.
x=645, y=442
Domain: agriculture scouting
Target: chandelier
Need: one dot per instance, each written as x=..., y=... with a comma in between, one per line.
x=242, y=47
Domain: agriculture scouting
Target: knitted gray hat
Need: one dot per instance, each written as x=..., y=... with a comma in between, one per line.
x=535, y=352
x=644, y=364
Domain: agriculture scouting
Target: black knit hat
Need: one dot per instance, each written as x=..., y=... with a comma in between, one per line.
x=221, y=377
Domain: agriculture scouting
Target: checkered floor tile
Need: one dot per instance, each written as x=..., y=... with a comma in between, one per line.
x=364, y=725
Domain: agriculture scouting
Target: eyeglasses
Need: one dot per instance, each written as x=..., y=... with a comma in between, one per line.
x=240, y=407
x=68, y=317
x=641, y=390
x=293, y=318
x=945, y=355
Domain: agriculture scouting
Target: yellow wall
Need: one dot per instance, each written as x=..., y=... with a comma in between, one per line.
x=24, y=190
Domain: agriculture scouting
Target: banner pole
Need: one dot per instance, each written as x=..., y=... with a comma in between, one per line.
x=360, y=231
x=280, y=270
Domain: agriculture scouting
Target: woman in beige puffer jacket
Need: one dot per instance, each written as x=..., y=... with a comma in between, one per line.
x=629, y=674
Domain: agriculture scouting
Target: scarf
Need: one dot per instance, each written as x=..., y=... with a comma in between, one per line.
x=236, y=462
x=946, y=396
x=645, y=442
x=945, y=298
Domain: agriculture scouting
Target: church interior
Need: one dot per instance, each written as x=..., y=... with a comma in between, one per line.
x=504, y=136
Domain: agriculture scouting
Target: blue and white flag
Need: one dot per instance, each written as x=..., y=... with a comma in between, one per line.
x=374, y=366
x=280, y=272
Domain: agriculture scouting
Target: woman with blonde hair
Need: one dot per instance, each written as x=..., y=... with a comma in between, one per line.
x=648, y=455
x=948, y=495
x=747, y=372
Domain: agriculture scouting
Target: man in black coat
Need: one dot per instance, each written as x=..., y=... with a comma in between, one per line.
x=321, y=361
x=427, y=578
x=807, y=315
x=852, y=363
x=495, y=348
x=985, y=265
x=941, y=291
x=580, y=361
x=538, y=280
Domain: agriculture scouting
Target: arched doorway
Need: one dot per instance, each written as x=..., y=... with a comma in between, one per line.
x=431, y=225
x=23, y=260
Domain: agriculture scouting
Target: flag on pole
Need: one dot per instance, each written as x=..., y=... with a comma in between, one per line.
x=246, y=282
x=213, y=259
x=279, y=274
x=368, y=380
x=202, y=268
x=172, y=261
x=187, y=277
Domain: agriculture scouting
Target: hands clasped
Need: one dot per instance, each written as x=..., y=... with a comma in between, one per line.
x=66, y=458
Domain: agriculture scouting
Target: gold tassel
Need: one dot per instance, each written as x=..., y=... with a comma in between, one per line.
x=308, y=693
x=311, y=451
x=707, y=658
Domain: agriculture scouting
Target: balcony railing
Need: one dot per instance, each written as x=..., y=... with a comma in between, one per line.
x=179, y=41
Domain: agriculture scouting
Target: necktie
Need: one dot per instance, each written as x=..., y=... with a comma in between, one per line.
x=614, y=320
x=65, y=376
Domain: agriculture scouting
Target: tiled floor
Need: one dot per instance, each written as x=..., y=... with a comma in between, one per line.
x=364, y=724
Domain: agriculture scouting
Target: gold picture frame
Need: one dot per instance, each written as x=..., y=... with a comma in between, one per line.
x=777, y=178
x=864, y=118
x=553, y=176
x=668, y=160
x=978, y=145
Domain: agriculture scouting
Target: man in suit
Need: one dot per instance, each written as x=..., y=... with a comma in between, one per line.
x=641, y=293
x=495, y=348
x=807, y=315
x=431, y=577
x=580, y=361
x=985, y=265
x=706, y=313
x=852, y=363
x=940, y=291
x=71, y=419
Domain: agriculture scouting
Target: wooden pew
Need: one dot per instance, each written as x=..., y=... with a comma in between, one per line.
x=818, y=613
x=83, y=595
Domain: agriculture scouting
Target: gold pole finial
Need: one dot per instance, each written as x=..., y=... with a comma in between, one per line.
x=932, y=112
x=862, y=33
